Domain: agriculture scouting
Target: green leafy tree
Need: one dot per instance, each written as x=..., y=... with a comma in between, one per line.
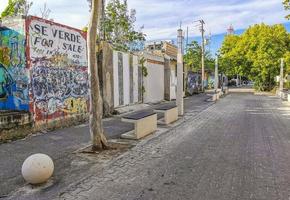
x=256, y=54
x=231, y=61
x=193, y=57
x=117, y=25
x=286, y=4
x=16, y=7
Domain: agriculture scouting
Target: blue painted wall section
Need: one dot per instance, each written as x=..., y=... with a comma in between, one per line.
x=14, y=79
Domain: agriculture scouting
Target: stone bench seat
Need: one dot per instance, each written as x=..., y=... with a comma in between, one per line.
x=145, y=123
x=226, y=90
x=170, y=113
x=219, y=94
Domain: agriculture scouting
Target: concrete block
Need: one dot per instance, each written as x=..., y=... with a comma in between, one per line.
x=170, y=115
x=14, y=119
x=142, y=128
x=226, y=90
x=283, y=95
x=218, y=95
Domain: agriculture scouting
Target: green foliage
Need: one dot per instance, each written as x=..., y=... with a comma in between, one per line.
x=85, y=29
x=144, y=69
x=9, y=10
x=232, y=56
x=16, y=7
x=286, y=4
x=193, y=57
x=118, y=25
x=143, y=90
x=256, y=54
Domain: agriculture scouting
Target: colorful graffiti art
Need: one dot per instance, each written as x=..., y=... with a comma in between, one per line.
x=193, y=83
x=59, y=77
x=14, y=77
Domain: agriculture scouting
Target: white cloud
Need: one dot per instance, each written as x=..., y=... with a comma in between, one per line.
x=218, y=14
x=3, y=5
x=161, y=17
x=72, y=13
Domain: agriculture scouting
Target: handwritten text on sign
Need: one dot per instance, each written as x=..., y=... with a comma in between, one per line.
x=50, y=39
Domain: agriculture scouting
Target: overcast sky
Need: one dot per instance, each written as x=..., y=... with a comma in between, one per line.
x=161, y=18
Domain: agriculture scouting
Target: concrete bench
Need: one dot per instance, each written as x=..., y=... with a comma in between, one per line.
x=226, y=90
x=170, y=112
x=284, y=96
x=219, y=94
x=145, y=123
x=216, y=96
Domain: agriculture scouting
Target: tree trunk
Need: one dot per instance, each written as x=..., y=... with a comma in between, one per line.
x=98, y=138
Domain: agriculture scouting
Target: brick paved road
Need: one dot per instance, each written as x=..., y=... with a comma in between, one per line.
x=60, y=145
x=237, y=149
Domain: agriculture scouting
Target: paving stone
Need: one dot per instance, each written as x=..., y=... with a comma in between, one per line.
x=225, y=152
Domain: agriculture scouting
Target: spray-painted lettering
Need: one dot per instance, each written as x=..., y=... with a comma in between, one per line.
x=59, y=77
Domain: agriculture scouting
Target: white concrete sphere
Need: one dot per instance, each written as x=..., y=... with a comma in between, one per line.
x=37, y=168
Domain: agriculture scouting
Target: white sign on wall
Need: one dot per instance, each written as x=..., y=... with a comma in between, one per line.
x=48, y=39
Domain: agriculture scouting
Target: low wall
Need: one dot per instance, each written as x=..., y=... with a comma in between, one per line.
x=126, y=75
x=154, y=81
x=43, y=72
x=57, y=60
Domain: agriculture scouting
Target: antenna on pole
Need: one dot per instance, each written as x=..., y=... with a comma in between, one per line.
x=231, y=30
x=209, y=41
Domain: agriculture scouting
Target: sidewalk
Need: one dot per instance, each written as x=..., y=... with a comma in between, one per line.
x=61, y=144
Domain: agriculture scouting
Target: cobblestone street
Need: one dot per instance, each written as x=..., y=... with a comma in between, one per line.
x=238, y=148
x=145, y=100
x=60, y=145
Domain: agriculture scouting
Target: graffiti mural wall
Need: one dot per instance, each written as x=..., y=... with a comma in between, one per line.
x=58, y=67
x=14, y=76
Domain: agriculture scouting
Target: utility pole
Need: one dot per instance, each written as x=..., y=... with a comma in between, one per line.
x=186, y=40
x=281, y=75
x=179, y=93
x=216, y=75
x=202, y=53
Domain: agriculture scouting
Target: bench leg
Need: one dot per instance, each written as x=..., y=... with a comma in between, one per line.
x=145, y=126
x=171, y=115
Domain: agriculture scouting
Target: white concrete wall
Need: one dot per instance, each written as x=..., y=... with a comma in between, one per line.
x=154, y=83
x=116, y=78
x=173, y=83
x=135, y=78
x=126, y=79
